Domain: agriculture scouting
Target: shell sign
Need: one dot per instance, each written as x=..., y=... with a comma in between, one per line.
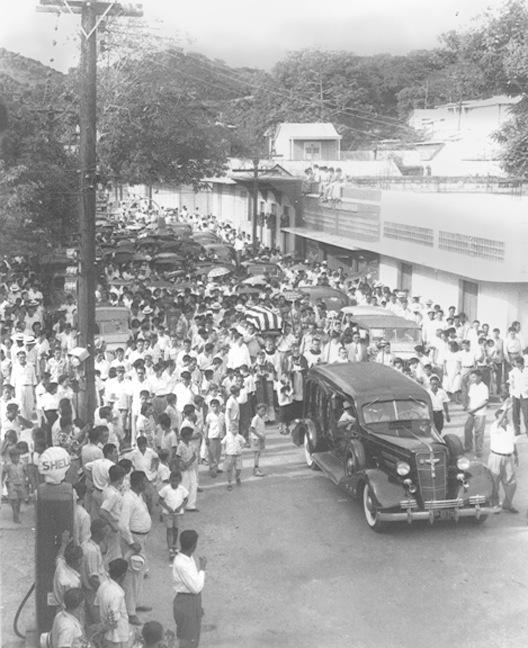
x=53, y=464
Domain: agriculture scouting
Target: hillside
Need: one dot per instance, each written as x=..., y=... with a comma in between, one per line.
x=19, y=73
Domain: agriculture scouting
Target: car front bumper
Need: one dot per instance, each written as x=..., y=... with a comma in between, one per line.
x=439, y=510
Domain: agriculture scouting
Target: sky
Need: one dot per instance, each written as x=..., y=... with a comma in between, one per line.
x=252, y=32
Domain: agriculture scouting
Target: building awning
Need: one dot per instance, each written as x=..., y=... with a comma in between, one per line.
x=321, y=237
x=220, y=180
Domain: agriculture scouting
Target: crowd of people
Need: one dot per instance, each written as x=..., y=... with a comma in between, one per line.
x=199, y=383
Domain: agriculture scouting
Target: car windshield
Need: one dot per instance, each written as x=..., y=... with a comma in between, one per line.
x=394, y=417
x=396, y=335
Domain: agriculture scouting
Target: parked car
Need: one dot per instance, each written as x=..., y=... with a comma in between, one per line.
x=254, y=268
x=220, y=252
x=376, y=325
x=333, y=299
x=113, y=326
x=385, y=449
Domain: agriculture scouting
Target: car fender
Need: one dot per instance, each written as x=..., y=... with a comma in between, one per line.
x=387, y=493
x=479, y=480
x=301, y=429
x=298, y=431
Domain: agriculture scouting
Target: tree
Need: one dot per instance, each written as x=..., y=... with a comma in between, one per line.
x=39, y=180
x=155, y=124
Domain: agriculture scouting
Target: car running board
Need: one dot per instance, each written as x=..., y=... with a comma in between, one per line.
x=331, y=466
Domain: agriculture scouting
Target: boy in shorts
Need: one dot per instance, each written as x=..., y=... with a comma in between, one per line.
x=233, y=443
x=15, y=479
x=257, y=430
x=173, y=498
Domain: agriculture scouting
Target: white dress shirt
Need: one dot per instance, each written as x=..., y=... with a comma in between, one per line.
x=478, y=395
x=99, y=471
x=146, y=462
x=110, y=598
x=186, y=576
x=135, y=517
x=502, y=440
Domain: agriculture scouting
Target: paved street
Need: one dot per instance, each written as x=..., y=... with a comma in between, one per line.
x=291, y=563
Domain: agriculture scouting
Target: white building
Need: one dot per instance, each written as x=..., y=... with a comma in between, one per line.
x=459, y=136
x=458, y=245
x=310, y=142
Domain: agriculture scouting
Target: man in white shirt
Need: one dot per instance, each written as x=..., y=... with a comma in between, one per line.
x=93, y=571
x=67, y=628
x=188, y=584
x=238, y=353
x=110, y=599
x=185, y=391
x=518, y=387
x=111, y=509
x=135, y=525
x=439, y=401
x=503, y=459
x=476, y=421
x=97, y=474
x=467, y=363
x=146, y=460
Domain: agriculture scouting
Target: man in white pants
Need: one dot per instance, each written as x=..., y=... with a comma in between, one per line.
x=134, y=526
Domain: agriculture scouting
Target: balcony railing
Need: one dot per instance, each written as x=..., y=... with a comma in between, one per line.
x=441, y=184
x=433, y=184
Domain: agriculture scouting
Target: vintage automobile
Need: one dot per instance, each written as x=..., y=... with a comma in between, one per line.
x=384, y=448
x=333, y=299
x=254, y=268
x=376, y=325
x=113, y=326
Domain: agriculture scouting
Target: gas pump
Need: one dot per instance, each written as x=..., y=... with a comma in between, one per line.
x=54, y=514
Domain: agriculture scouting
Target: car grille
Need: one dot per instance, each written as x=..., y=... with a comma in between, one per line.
x=432, y=475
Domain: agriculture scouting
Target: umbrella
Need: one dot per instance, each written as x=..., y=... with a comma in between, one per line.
x=298, y=266
x=124, y=253
x=160, y=283
x=133, y=227
x=168, y=258
x=148, y=240
x=220, y=271
x=292, y=295
x=139, y=258
x=125, y=244
x=247, y=290
x=206, y=238
x=120, y=282
x=257, y=280
x=182, y=285
x=173, y=246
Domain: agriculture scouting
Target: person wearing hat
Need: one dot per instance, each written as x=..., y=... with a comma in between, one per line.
x=18, y=339
x=503, y=458
x=347, y=419
x=24, y=380
x=440, y=402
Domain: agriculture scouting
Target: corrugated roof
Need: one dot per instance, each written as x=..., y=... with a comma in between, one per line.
x=314, y=130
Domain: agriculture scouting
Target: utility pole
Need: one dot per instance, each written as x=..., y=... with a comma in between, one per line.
x=257, y=172
x=255, y=206
x=88, y=160
x=92, y=13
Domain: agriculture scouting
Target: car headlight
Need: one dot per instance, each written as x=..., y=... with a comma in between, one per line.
x=463, y=463
x=403, y=468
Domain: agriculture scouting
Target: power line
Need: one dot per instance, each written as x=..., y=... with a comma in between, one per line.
x=234, y=76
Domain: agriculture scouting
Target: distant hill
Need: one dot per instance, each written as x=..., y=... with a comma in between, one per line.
x=19, y=73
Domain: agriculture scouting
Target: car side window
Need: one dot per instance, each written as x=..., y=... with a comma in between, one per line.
x=310, y=396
